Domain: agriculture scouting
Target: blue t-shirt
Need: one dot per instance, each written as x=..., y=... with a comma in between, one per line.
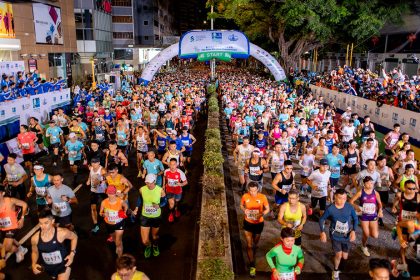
x=75, y=150
x=153, y=167
x=228, y=111
x=54, y=133
x=342, y=220
x=334, y=165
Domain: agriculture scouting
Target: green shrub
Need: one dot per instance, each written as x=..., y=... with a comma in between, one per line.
x=215, y=269
x=213, y=144
x=213, y=161
x=213, y=133
x=212, y=183
x=213, y=101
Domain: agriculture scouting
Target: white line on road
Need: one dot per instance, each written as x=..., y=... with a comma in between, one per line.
x=32, y=231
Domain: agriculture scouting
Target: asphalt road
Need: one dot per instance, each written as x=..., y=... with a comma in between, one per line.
x=95, y=257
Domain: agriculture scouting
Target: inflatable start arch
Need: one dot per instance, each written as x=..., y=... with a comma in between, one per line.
x=208, y=44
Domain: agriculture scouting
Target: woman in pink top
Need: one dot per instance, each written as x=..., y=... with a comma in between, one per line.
x=26, y=140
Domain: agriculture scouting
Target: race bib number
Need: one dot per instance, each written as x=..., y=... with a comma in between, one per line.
x=52, y=258
x=72, y=154
x=335, y=169
x=172, y=182
x=369, y=208
x=41, y=191
x=121, y=137
x=352, y=160
x=253, y=215
x=26, y=146
x=393, y=141
x=287, y=276
x=286, y=187
x=186, y=142
x=342, y=228
x=5, y=222
x=113, y=217
x=150, y=209
x=254, y=171
x=12, y=177
x=54, y=139
x=99, y=136
x=408, y=215
x=60, y=206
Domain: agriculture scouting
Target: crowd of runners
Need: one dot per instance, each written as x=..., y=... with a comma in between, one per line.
x=153, y=124
x=332, y=161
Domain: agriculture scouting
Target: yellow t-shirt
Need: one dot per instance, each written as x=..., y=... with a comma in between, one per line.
x=138, y=275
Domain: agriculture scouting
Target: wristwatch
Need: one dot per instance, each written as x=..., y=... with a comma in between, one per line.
x=73, y=251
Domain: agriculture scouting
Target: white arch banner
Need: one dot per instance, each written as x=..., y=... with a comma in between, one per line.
x=170, y=52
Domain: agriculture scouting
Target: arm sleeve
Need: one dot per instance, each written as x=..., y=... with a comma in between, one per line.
x=269, y=257
x=300, y=259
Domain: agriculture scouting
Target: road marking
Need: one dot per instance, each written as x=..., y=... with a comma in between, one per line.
x=34, y=229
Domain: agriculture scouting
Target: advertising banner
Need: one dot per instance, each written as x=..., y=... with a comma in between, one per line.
x=10, y=68
x=48, y=27
x=160, y=59
x=194, y=43
x=7, y=23
x=385, y=115
x=38, y=106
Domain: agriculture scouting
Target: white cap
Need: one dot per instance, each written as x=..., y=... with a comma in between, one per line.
x=150, y=178
x=72, y=135
x=173, y=132
x=348, y=108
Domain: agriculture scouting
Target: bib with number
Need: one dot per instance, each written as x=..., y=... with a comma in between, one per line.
x=5, y=222
x=335, y=169
x=99, y=136
x=287, y=276
x=26, y=146
x=342, y=228
x=60, y=206
x=41, y=191
x=52, y=258
x=286, y=187
x=253, y=170
x=253, y=215
x=54, y=139
x=12, y=177
x=113, y=217
x=150, y=209
x=172, y=182
x=408, y=215
x=369, y=208
x=72, y=154
x=352, y=160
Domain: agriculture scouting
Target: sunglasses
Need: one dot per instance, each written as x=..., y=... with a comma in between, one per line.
x=411, y=189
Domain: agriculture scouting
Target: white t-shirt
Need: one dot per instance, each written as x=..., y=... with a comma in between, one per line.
x=348, y=133
x=320, y=180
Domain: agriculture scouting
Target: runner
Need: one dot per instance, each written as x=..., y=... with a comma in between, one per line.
x=97, y=183
x=75, y=150
x=370, y=206
x=335, y=162
x=276, y=160
x=173, y=180
x=319, y=181
x=289, y=257
x=127, y=270
x=15, y=177
x=255, y=168
x=27, y=140
x=115, y=157
x=342, y=229
x=10, y=223
x=114, y=210
x=188, y=140
x=55, y=135
x=122, y=184
x=152, y=198
x=40, y=183
x=292, y=214
x=61, y=197
x=306, y=162
x=255, y=206
x=282, y=184
x=141, y=141
x=49, y=247
x=380, y=269
x=153, y=166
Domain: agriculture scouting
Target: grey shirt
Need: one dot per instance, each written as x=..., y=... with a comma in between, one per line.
x=14, y=172
x=60, y=207
x=375, y=176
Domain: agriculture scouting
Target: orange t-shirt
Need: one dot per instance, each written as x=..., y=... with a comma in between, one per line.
x=27, y=141
x=256, y=206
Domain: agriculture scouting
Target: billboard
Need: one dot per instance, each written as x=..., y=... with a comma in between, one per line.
x=7, y=25
x=48, y=27
x=214, y=44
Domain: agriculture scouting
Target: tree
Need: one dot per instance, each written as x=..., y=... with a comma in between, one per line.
x=298, y=26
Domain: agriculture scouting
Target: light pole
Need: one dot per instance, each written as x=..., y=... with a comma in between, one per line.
x=213, y=61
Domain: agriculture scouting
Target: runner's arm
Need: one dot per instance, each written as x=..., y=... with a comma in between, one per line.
x=35, y=253
x=354, y=198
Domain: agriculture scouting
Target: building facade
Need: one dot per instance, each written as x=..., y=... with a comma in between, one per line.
x=47, y=35
x=94, y=36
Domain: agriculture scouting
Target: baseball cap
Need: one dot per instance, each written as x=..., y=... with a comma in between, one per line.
x=185, y=128
x=150, y=178
x=348, y=108
x=323, y=161
x=38, y=167
x=95, y=160
x=52, y=121
x=111, y=189
x=72, y=135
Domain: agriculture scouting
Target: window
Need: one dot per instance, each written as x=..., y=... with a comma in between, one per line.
x=156, y=23
x=123, y=54
x=122, y=35
x=146, y=22
x=157, y=37
x=79, y=34
x=145, y=8
x=124, y=3
x=122, y=19
x=146, y=38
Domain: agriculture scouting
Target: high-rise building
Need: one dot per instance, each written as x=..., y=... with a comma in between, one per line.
x=44, y=34
x=140, y=24
x=94, y=36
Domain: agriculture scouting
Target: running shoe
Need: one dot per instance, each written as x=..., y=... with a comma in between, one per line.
x=54, y=164
x=177, y=213
x=365, y=251
x=95, y=229
x=20, y=254
x=405, y=274
x=110, y=239
x=335, y=275
x=147, y=251
x=252, y=272
x=171, y=217
x=156, y=251
x=140, y=174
